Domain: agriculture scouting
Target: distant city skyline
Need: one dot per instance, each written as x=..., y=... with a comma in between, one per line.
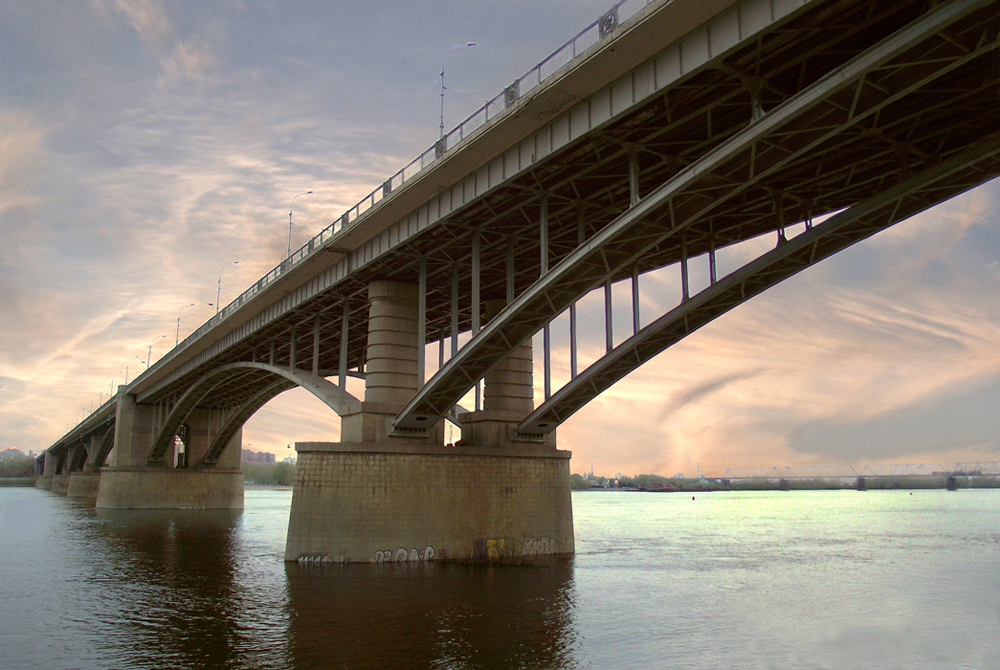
x=148, y=145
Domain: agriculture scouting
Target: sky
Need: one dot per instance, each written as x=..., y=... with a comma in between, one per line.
x=145, y=145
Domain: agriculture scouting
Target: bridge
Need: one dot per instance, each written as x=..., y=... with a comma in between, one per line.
x=661, y=134
x=964, y=469
x=947, y=475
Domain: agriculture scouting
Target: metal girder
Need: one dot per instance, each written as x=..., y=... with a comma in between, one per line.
x=819, y=242
x=977, y=468
x=903, y=470
x=824, y=113
x=792, y=472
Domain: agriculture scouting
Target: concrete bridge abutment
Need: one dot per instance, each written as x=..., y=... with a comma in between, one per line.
x=373, y=497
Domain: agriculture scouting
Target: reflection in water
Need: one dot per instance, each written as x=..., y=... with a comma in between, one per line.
x=207, y=589
x=171, y=586
x=430, y=615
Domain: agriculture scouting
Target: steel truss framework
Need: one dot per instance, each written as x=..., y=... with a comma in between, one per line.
x=908, y=104
x=879, y=109
x=981, y=468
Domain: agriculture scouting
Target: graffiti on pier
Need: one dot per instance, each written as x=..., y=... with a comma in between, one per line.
x=403, y=555
x=319, y=558
x=502, y=548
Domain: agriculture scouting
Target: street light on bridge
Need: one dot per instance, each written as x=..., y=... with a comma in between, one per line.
x=128, y=364
x=289, y=253
x=149, y=352
x=218, y=290
x=457, y=46
x=177, y=337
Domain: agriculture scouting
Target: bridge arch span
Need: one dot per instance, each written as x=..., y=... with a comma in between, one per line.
x=763, y=176
x=280, y=379
x=104, y=448
x=787, y=258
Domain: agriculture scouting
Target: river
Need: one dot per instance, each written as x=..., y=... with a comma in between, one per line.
x=760, y=580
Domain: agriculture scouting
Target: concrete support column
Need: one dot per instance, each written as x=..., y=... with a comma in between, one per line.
x=83, y=484
x=133, y=432
x=93, y=446
x=403, y=502
x=51, y=464
x=391, y=368
x=391, y=365
x=202, y=427
x=508, y=386
x=508, y=398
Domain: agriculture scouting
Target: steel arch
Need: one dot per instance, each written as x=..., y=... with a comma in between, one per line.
x=829, y=110
x=329, y=393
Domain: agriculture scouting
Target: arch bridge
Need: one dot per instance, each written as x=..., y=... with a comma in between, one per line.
x=662, y=134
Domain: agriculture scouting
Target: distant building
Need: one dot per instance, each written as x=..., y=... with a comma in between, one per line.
x=257, y=457
x=11, y=452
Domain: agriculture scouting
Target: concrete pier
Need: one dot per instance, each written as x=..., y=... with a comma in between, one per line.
x=60, y=483
x=390, y=503
x=83, y=485
x=374, y=497
x=170, y=488
x=131, y=481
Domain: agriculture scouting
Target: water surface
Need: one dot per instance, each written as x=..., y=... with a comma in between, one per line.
x=802, y=579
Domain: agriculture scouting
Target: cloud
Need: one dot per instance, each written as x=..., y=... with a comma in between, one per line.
x=962, y=416
x=187, y=60
x=149, y=20
x=694, y=394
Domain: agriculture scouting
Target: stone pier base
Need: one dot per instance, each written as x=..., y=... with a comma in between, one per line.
x=60, y=484
x=385, y=502
x=168, y=488
x=44, y=482
x=83, y=485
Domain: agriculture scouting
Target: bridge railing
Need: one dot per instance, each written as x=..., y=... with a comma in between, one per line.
x=583, y=42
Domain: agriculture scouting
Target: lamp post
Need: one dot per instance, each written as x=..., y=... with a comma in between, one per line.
x=457, y=46
x=218, y=290
x=177, y=337
x=128, y=364
x=290, y=222
x=149, y=352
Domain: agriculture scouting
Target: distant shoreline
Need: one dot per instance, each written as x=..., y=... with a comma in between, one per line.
x=17, y=481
